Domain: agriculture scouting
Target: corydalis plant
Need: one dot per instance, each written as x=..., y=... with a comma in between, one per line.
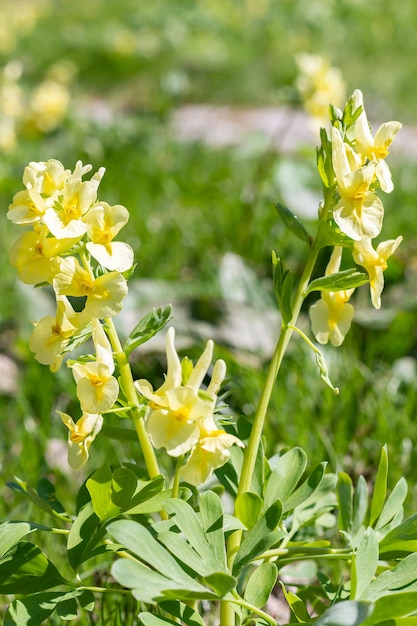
x=352, y=167
x=177, y=552
x=71, y=247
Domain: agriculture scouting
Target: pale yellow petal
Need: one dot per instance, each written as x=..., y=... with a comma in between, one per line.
x=116, y=255
x=178, y=436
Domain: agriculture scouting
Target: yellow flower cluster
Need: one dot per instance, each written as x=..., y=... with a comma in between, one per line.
x=319, y=83
x=70, y=247
x=40, y=110
x=358, y=160
x=180, y=414
x=68, y=244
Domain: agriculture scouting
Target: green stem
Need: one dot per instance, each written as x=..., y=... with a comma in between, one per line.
x=249, y=459
x=287, y=555
x=176, y=482
x=132, y=398
x=253, y=609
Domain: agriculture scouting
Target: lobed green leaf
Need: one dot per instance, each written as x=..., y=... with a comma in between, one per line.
x=147, y=328
x=25, y=569
x=347, y=279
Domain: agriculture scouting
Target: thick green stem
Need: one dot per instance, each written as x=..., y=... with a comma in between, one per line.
x=132, y=398
x=249, y=459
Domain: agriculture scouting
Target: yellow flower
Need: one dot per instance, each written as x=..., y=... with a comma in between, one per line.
x=212, y=451
x=375, y=262
x=97, y=389
x=81, y=435
x=51, y=334
x=331, y=316
x=375, y=148
x=359, y=211
x=48, y=105
x=46, y=177
x=319, y=84
x=64, y=218
x=27, y=207
x=104, y=294
x=33, y=256
x=103, y=223
x=177, y=409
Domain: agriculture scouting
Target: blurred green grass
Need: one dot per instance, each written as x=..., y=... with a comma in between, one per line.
x=190, y=204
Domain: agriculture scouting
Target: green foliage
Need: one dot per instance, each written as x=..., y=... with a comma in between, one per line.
x=283, y=285
x=147, y=328
x=183, y=219
x=348, y=279
x=293, y=223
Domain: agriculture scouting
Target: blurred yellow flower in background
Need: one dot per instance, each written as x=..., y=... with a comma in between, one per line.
x=319, y=84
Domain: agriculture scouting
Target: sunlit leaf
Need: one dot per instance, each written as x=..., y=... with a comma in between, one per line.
x=248, y=507
x=285, y=475
x=365, y=563
x=380, y=488
x=260, y=584
x=347, y=279
x=147, y=328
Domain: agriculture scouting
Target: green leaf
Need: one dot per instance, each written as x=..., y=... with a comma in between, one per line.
x=147, y=328
x=391, y=607
x=37, y=607
x=344, y=490
x=84, y=536
x=306, y=489
x=364, y=564
x=347, y=279
x=347, y=613
x=183, y=612
x=12, y=532
x=261, y=537
x=380, y=489
x=220, y=582
x=139, y=540
x=25, y=569
x=297, y=606
x=285, y=476
x=150, y=619
x=402, y=577
x=393, y=504
x=360, y=505
x=324, y=370
x=293, y=223
x=43, y=497
x=188, y=523
x=99, y=488
x=150, y=586
x=113, y=493
x=248, y=508
x=211, y=513
x=261, y=584
x=229, y=473
x=67, y=609
x=401, y=540
x=283, y=286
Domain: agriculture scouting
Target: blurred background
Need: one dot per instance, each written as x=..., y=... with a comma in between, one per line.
x=205, y=113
